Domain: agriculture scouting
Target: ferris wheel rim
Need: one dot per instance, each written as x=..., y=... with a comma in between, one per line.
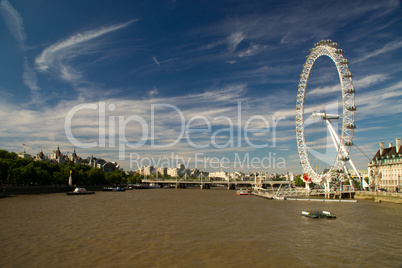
x=330, y=49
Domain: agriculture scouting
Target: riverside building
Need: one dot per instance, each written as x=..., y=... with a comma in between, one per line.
x=385, y=169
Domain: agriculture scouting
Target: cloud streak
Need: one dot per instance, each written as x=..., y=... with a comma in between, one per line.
x=55, y=57
x=387, y=48
x=234, y=40
x=30, y=80
x=14, y=22
x=153, y=92
x=156, y=61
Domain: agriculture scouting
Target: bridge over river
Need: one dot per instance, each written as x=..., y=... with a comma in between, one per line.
x=266, y=189
x=206, y=184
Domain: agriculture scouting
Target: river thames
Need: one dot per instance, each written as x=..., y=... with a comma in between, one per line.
x=194, y=228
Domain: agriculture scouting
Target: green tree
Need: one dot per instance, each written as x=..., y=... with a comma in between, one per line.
x=135, y=178
x=299, y=181
x=15, y=174
x=43, y=177
x=96, y=176
x=116, y=177
x=58, y=178
x=7, y=155
x=4, y=170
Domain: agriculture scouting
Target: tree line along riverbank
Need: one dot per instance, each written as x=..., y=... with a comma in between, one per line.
x=45, y=189
x=16, y=171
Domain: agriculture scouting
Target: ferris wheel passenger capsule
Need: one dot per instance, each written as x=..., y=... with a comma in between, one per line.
x=348, y=143
x=348, y=75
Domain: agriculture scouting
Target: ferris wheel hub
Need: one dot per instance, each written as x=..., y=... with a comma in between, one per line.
x=326, y=116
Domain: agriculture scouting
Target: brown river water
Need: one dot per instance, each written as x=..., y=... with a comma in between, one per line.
x=194, y=228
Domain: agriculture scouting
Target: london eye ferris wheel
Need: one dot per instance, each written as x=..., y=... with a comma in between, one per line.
x=333, y=118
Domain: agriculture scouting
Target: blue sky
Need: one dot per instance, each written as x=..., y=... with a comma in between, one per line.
x=226, y=66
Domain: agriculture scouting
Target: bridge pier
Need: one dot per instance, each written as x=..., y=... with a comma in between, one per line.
x=231, y=186
x=205, y=186
x=180, y=185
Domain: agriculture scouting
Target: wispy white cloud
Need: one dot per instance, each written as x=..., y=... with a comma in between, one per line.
x=55, y=58
x=288, y=23
x=231, y=40
x=156, y=61
x=370, y=80
x=324, y=90
x=30, y=80
x=14, y=22
x=252, y=50
x=365, y=82
x=384, y=102
x=234, y=40
x=385, y=49
x=153, y=92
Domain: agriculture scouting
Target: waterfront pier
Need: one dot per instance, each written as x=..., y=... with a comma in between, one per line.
x=295, y=193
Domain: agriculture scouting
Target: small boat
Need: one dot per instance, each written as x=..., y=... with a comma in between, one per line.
x=141, y=186
x=243, y=192
x=318, y=214
x=80, y=191
x=107, y=189
x=112, y=189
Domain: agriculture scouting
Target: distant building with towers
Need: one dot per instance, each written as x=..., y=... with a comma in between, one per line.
x=58, y=157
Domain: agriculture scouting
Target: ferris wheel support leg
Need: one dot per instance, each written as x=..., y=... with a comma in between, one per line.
x=328, y=189
x=335, y=139
x=308, y=188
x=334, y=135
